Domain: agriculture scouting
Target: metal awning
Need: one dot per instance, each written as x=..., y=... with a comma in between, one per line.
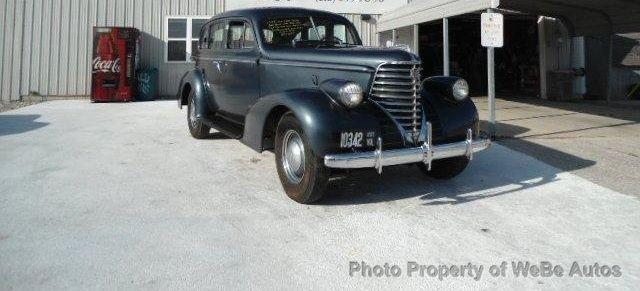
x=582, y=17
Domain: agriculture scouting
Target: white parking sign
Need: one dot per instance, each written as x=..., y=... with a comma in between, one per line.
x=492, y=25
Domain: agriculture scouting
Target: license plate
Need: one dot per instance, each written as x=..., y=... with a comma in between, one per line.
x=351, y=139
x=356, y=139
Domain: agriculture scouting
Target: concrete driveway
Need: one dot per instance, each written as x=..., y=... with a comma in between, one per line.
x=118, y=196
x=594, y=141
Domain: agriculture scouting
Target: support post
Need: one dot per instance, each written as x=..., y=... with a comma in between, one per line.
x=578, y=62
x=445, y=47
x=542, y=44
x=416, y=39
x=609, y=88
x=393, y=37
x=491, y=88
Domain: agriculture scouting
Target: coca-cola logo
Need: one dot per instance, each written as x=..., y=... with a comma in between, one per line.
x=106, y=66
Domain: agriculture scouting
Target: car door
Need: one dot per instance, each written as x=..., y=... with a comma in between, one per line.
x=210, y=60
x=240, y=80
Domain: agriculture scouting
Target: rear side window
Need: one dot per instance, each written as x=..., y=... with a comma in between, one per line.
x=249, y=37
x=204, y=37
x=240, y=36
x=217, y=35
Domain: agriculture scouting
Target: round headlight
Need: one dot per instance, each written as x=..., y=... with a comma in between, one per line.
x=460, y=90
x=351, y=94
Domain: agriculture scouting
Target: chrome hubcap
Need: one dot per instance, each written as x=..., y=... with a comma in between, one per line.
x=293, y=159
x=192, y=113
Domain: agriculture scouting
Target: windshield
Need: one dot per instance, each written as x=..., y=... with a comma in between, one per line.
x=308, y=31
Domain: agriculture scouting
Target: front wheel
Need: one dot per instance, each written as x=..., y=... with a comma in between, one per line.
x=197, y=129
x=302, y=174
x=445, y=169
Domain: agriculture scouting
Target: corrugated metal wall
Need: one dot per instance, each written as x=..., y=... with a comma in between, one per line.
x=46, y=45
x=10, y=46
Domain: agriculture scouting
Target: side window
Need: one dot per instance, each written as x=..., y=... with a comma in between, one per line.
x=240, y=36
x=268, y=35
x=204, y=37
x=235, y=35
x=340, y=32
x=196, y=29
x=212, y=29
x=217, y=36
x=249, y=37
x=314, y=36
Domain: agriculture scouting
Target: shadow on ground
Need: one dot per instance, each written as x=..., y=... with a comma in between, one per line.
x=17, y=124
x=494, y=173
x=591, y=107
x=216, y=135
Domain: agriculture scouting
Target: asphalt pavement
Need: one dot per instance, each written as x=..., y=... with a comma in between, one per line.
x=119, y=196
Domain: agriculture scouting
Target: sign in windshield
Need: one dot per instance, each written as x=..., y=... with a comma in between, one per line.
x=307, y=31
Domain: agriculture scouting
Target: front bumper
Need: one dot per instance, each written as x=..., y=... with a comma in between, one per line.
x=426, y=154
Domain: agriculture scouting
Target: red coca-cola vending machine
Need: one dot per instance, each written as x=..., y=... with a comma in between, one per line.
x=115, y=61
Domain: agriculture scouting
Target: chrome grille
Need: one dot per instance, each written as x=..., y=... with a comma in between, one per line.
x=396, y=88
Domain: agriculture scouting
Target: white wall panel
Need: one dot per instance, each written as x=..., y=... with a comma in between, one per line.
x=3, y=18
x=17, y=51
x=27, y=33
x=54, y=48
x=7, y=45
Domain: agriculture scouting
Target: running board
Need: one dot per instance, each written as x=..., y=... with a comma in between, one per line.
x=224, y=126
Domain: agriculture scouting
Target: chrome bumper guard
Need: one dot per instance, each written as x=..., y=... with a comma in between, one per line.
x=426, y=153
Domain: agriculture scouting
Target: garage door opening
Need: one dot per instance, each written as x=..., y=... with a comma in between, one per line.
x=517, y=63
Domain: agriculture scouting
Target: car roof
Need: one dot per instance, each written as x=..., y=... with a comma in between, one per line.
x=260, y=13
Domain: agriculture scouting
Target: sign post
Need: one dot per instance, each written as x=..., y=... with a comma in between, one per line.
x=445, y=47
x=492, y=26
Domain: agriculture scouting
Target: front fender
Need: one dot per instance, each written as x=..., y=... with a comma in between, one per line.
x=321, y=117
x=453, y=118
x=193, y=81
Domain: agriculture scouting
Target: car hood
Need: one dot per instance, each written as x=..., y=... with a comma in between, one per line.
x=356, y=56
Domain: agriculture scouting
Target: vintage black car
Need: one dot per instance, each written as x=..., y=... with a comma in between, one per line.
x=300, y=83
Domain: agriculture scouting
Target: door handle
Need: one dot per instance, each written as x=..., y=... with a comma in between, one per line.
x=219, y=65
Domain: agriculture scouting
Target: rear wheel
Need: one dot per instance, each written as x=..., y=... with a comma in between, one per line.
x=302, y=174
x=198, y=129
x=445, y=169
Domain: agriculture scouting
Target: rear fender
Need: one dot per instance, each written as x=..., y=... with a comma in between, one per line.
x=193, y=82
